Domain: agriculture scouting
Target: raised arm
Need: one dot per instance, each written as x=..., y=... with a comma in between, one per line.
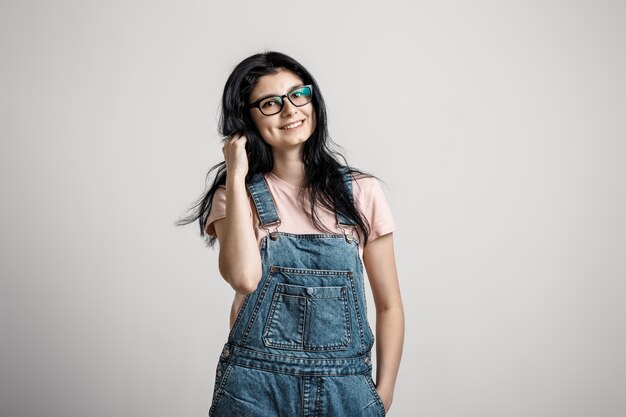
x=380, y=264
x=239, y=257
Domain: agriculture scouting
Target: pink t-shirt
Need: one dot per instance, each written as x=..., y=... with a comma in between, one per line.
x=368, y=196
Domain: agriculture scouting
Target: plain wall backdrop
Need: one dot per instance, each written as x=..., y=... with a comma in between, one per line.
x=497, y=126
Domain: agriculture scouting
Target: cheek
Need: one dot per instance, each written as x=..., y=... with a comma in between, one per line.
x=260, y=124
x=313, y=121
x=265, y=128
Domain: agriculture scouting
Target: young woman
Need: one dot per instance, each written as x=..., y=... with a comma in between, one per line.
x=295, y=228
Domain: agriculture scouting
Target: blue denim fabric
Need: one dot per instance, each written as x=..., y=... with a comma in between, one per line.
x=301, y=343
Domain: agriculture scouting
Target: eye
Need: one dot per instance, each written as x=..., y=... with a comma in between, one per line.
x=270, y=103
x=301, y=92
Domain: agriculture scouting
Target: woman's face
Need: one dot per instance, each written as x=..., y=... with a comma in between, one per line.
x=278, y=129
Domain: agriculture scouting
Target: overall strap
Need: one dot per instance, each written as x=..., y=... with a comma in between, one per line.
x=264, y=202
x=266, y=207
x=342, y=219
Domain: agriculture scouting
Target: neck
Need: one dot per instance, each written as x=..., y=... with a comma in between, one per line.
x=289, y=167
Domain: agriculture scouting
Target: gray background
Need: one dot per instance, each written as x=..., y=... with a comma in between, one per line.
x=497, y=126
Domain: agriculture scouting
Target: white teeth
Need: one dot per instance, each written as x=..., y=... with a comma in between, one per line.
x=291, y=126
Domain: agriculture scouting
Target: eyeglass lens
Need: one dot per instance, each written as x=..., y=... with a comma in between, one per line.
x=298, y=97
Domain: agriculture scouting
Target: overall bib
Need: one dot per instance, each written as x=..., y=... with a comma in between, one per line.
x=301, y=343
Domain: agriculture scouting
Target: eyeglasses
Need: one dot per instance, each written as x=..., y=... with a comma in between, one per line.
x=299, y=97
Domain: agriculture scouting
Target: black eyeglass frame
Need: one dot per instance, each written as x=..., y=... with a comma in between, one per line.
x=257, y=104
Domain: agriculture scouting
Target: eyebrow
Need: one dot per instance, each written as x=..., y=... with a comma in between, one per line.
x=293, y=87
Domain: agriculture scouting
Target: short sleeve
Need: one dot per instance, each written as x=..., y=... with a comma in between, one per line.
x=370, y=200
x=218, y=209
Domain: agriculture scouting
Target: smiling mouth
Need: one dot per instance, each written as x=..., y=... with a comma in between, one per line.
x=293, y=125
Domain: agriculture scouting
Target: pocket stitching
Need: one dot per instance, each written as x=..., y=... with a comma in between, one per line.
x=219, y=389
x=304, y=271
x=270, y=320
x=379, y=401
x=308, y=348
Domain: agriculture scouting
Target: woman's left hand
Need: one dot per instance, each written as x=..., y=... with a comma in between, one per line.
x=386, y=397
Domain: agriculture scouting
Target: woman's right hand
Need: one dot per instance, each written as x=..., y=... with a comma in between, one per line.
x=235, y=155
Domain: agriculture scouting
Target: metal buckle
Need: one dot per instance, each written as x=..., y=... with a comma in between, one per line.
x=274, y=234
x=349, y=237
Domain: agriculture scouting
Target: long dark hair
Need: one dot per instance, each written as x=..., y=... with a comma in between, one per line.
x=322, y=167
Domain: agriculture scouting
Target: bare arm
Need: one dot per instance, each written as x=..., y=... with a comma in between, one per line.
x=239, y=256
x=380, y=263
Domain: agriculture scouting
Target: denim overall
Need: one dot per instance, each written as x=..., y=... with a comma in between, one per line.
x=301, y=343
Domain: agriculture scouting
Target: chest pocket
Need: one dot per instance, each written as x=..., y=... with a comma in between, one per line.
x=308, y=318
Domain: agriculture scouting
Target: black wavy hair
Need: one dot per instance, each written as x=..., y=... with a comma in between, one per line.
x=323, y=177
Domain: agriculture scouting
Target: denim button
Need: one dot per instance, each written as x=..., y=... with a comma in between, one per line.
x=367, y=359
x=219, y=373
x=226, y=352
x=309, y=291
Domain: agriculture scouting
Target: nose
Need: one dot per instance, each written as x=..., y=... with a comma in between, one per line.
x=288, y=108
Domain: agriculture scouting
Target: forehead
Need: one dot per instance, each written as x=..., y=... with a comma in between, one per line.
x=278, y=83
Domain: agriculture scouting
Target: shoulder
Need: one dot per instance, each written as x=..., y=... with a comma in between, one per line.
x=363, y=179
x=220, y=194
x=365, y=185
